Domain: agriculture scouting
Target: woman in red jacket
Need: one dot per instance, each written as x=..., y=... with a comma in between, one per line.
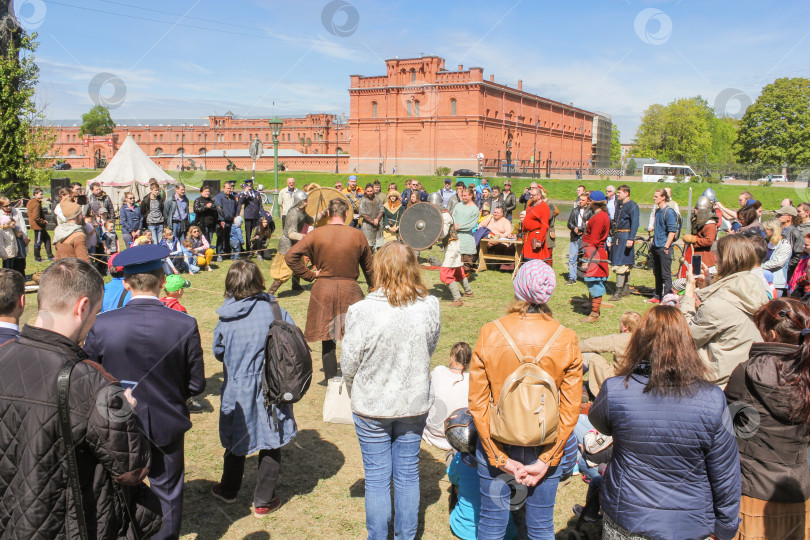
x=535, y=227
x=593, y=245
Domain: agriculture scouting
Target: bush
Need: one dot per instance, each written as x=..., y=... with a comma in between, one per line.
x=680, y=178
x=631, y=167
x=442, y=171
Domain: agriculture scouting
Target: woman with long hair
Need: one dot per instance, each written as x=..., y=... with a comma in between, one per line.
x=780, y=252
x=389, y=339
x=263, y=234
x=723, y=326
x=769, y=399
x=200, y=247
x=245, y=425
x=527, y=331
x=675, y=472
x=392, y=212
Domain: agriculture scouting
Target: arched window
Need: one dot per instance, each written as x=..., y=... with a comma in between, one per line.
x=452, y=107
x=374, y=109
x=416, y=107
x=71, y=151
x=408, y=106
x=161, y=138
x=181, y=151
x=139, y=138
x=202, y=151
x=234, y=137
x=158, y=151
x=413, y=75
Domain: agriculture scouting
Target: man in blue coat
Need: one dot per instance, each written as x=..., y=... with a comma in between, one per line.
x=623, y=231
x=158, y=351
x=227, y=209
x=12, y=303
x=250, y=203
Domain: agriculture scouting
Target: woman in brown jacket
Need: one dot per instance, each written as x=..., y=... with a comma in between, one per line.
x=38, y=224
x=531, y=470
x=769, y=399
x=69, y=238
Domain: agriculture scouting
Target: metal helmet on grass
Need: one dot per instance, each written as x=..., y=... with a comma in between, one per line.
x=459, y=429
x=299, y=196
x=436, y=200
x=704, y=203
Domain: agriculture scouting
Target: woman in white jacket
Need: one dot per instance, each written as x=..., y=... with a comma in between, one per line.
x=389, y=339
x=781, y=252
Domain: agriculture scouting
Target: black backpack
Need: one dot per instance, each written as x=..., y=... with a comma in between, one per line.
x=287, y=370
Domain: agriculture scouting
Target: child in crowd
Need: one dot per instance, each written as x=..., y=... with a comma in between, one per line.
x=111, y=246
x=175, y=258
x=90, y=227
x=8, y=241
x=144, y=238
x=237, y=240
x=189, y=259
x=174, y=292
x=451, y=387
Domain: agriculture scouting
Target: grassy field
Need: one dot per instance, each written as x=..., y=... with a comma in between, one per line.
x=558, y=189
x=322, y=475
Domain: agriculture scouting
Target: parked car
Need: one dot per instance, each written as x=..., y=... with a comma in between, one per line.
x=61, y=166
x=778, y=178
x=465, y=172
x=728, y=177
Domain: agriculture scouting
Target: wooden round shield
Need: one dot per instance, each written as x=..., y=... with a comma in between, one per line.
x=421, y=225
x=318, y=200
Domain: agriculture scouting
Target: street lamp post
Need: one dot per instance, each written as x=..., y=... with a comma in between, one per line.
x=379, y=146
x=182, y=151
x=581, y=142
x=275, y=128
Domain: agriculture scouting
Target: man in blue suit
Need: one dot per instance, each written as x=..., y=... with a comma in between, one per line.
x=158, y=351
x=12, y=303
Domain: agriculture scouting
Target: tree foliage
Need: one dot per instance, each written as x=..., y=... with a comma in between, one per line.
x=22, y=143
x=631, y=167
x=775, y=129
x=97, y=121
x=615, y=145
x=685, y=131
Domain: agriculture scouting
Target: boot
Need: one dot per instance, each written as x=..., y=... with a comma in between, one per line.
x=274, y=287
x=296, y=284
x=456, y=294
x=596, y=305
x=626, y=288
x=620, y=281
x=467, y=289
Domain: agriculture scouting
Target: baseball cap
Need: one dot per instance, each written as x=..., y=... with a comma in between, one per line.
x=597, y=196
x=352, y=177
x=174, y=283
x=751, y=202
x=789, y=210
x=112, y=267
x=448, y=181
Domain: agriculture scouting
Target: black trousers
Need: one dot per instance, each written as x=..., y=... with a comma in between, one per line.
x=329, y=358
x=42, y=237
x=662, y=270
x=224, y=239
x=233, y=470
x=250, y=226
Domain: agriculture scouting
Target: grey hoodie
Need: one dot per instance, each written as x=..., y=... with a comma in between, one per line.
x=61, y=232
x=723, y=326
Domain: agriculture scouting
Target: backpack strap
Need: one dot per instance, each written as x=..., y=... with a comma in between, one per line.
x=514, y=346
x=277, y=315
x=62, y=391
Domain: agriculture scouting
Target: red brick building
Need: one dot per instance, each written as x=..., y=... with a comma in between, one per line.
x=420, y=116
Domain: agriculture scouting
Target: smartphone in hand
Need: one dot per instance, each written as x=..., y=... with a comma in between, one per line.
x=697, y=265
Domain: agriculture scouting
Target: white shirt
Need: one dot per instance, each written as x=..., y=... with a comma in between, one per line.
x=10, y=326
x=451, y=390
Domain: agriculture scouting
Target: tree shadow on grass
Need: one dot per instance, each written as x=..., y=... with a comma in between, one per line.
x=304, y=462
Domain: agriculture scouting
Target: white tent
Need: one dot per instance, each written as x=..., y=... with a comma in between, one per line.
x=130, y=170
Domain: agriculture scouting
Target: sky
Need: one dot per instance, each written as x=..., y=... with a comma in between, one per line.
x=148, y=59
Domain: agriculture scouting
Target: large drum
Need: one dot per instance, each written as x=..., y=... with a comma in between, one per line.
x=318, y=201
x=421, y=226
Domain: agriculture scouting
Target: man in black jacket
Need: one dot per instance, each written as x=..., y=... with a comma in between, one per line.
x=227, y=209
x=35, y=495
x=205, y=211
x=577, y=221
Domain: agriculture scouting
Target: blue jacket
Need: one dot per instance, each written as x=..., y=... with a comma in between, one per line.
x=252, y=202
x=675, y=471
x=112, y=295
x=465, y=516
x=244, y=425
x=130, y=219
x=666, y=221
x=227, y=207
x=237, y=238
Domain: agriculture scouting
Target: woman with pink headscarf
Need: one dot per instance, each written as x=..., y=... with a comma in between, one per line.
x=527, y=330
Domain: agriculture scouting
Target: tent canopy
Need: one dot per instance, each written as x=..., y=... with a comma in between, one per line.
x=130, y=170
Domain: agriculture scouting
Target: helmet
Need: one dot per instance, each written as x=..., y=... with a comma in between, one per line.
x=260, y=187
x=299, y=196
x=459, y=429
x=709, y=194
x=704, y=203
x=436, y=200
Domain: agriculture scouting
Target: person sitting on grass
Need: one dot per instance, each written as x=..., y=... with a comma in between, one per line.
x=174, y=262
x=616, y=344
x=263, y=234
x=237, y=239
x=144, y=238
x=174, y=292
x=200, y=247
x=189, y=259
x=451, y=386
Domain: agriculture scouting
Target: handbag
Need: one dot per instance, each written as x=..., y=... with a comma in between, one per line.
x=337, y=405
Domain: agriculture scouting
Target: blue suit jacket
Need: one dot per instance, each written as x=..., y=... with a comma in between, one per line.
x=159, y=348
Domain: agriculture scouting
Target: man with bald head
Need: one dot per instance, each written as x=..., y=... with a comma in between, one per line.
x=285, y=199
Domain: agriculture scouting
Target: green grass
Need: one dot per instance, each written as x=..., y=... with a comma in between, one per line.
x=557, y=189
x=322, y=471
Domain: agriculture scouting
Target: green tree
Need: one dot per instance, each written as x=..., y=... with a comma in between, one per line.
x=97, y=122
x=678, y=132
x=724, y=133
x=650, y=134
x=776, y=127
x=20, y=138
x=615, y=145
x=631, y=167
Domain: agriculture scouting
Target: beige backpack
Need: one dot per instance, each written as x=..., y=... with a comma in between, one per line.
x=527, y=412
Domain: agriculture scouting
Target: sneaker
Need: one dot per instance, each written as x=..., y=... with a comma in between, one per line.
x=469, y=294
x=457, y=303
x=653, y=300
x=208, y=268
x=217, y=492
x=578, y=509
x=571, y=282
x=262, y=511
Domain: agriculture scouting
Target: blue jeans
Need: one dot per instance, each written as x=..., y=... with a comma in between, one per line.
x=573, y=254
x=391, y=446
x=497, y=500
x=157, y=232
x=591, y=473
x=177, y=229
